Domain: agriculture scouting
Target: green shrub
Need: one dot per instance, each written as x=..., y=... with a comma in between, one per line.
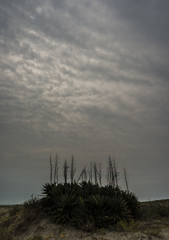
x=60, y=205
x=7, y=221
x=32, y=208
x=132, y=203
x=33, y=203
x=38, y=237
x=107, y=210
x=5, y=234
x=162, y=209
x=80, y=214
x=14, y=210
x=88, y=188
x=85, y=202
x=47, y=187
x=100, y=206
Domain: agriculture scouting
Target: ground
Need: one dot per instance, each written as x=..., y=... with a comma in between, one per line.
x=38, y=226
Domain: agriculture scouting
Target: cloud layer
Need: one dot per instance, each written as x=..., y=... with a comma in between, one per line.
x=88, y=78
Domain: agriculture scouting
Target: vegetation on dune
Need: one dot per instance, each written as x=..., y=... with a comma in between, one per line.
x=86, y=204
x=88, y=201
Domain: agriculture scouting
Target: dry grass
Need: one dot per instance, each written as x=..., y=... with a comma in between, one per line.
x=154, y=216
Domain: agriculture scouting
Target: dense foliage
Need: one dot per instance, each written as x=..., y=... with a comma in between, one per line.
x=86, y=203
x=78, y=204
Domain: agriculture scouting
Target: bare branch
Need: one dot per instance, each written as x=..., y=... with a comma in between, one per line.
x=95, y=172
x=72, y=170
x=100, y=174
x=115, y=172
x=65, y=170
x=126, y=178
x=51, y=170
x=56, y=169
x=81, y=175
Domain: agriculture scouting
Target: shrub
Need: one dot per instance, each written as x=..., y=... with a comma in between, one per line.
x=60, y=203
x=107, y=210
x=86, y=202
x=76, y=204
x=36, y=237
x=14, y=210
x=132, y=203
x=5, y=234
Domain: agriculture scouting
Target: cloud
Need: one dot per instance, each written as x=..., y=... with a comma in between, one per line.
x=84, y=77
x=148, y=18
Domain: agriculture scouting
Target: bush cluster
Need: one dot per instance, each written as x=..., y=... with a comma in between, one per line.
x=88, y=203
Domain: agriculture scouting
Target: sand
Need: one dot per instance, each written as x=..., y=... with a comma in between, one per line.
x=43, y=226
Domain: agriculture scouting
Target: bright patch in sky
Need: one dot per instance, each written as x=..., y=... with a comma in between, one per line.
x=39, y=10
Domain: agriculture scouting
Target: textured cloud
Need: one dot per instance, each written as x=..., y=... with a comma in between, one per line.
x=84, y=77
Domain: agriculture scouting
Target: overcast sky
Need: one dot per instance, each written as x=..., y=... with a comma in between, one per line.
x=88, y=78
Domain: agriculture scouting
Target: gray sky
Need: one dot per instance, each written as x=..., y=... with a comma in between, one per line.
x=89, y=78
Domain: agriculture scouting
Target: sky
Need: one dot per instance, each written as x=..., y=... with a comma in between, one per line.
x=84, y=78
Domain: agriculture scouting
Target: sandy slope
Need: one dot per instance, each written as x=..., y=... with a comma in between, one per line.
x=51, y=231
x=42, y=225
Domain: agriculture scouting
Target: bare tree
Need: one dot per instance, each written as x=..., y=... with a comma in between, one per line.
x=115, y=172
x=110, y=173
x=100, y=174
x=65, y=170
x=95, y=172
x=51, y=170
x=91, y=172
x=72, y=169
x=126, y=178
x=56, y=169
x=81, y=175
x=84, y=175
